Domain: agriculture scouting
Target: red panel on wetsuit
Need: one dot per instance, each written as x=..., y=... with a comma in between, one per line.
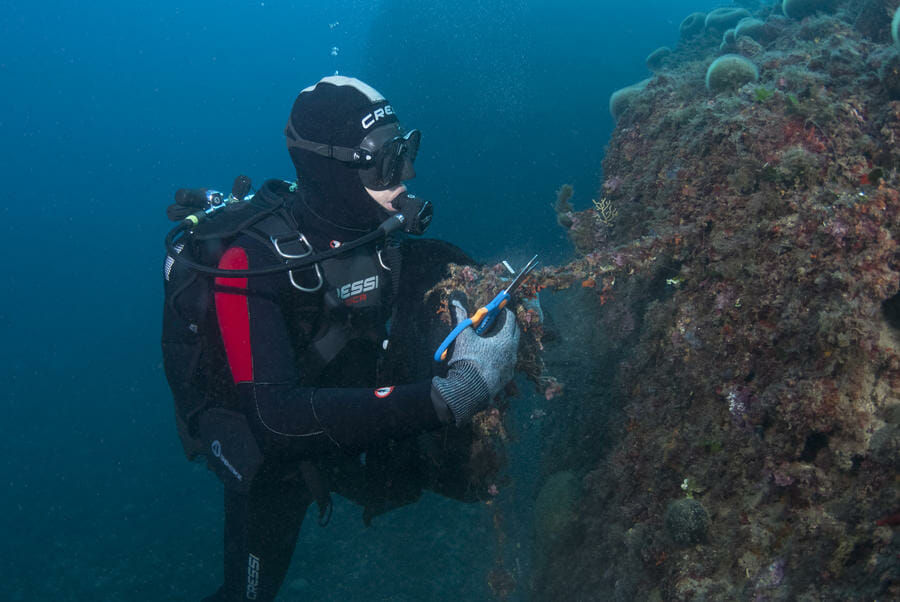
x=233, y=313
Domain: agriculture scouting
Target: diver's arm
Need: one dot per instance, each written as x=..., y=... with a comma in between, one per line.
x=262, y=362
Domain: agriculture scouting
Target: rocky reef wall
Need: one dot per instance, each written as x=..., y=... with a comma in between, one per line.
x=742, y=264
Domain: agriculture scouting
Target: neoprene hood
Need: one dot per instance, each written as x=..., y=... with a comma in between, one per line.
x=341, y=112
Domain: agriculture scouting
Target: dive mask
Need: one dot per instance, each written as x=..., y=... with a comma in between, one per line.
x=393, y=155
x=384, y=157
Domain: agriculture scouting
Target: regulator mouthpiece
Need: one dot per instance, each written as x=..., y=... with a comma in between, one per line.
x=416, y=213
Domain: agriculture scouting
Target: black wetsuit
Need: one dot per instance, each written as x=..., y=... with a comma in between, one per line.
x=312, y=372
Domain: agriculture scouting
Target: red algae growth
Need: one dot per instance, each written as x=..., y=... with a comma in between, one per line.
x=741, y=265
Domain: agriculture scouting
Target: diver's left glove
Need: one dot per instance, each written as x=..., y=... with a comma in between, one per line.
x=479, y=368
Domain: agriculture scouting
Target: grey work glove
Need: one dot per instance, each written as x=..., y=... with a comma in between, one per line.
x=479, y=368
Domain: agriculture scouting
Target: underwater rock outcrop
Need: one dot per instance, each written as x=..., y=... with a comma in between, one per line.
x=755, y=248
x=741, y=264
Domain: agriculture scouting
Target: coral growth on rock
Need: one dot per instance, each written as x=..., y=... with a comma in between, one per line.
x=754, y=266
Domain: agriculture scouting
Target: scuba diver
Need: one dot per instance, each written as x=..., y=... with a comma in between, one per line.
x=298, y=334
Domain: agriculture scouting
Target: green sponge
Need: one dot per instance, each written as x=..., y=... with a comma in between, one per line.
x=620, y=99
x=657, y=58
x=725, y=18
x=895, y=26
x=730, y=71
x=752, y=28
x=692, y=25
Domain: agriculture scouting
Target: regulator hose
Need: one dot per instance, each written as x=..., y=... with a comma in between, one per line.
x=391, y=224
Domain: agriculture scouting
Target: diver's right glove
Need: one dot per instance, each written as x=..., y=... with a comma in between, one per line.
x=479, y=368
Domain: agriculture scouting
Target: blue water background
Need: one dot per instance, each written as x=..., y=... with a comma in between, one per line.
x=108, y=107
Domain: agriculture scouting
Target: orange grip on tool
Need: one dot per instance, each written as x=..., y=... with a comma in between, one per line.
x=479, y=316
x=473, y=321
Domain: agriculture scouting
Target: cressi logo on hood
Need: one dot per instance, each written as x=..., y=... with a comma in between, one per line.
x=379, y=114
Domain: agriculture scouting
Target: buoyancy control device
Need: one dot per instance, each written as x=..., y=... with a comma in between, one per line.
x=193, y=352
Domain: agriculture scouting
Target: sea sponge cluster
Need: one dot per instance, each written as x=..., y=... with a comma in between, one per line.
x=743, y=35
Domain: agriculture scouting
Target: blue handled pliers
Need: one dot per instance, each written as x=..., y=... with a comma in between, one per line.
x=484, y=318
